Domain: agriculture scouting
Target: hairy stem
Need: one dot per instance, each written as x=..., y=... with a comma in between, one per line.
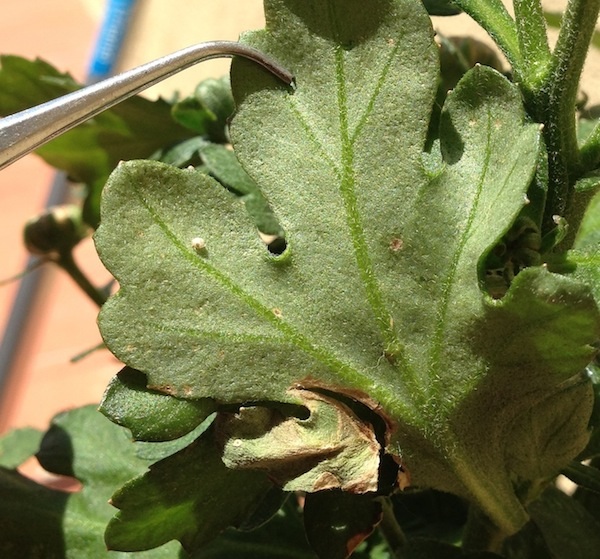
x=533, y=41
x=493, y=17
x=560, y=96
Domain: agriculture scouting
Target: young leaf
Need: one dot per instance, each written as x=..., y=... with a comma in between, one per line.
x=377, y=297
x=129, y=403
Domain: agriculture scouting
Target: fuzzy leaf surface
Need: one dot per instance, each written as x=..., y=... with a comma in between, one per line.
x=377, y=296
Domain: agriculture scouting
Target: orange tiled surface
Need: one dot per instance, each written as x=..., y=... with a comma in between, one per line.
x=44, y=382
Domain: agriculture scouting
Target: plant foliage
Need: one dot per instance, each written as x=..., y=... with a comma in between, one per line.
x=412, y=346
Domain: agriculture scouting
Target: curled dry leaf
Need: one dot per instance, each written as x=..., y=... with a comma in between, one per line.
x=331, y=449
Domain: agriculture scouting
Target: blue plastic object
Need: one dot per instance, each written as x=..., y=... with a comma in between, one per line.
x=109, y=42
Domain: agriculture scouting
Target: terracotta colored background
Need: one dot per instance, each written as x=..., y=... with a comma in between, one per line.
x=63, y=32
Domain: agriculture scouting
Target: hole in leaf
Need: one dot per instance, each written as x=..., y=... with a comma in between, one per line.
x=391, y=473
x=277, y=247
x=519, y=248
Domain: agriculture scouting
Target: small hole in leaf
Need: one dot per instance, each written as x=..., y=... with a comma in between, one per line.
x=277, y=246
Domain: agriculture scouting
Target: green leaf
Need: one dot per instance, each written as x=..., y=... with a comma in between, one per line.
x=128, y=402
x=569, y=530
x=588, y=235
x=546, y=437
x=583, y=261
x=377, y=297
x=222, y=164
x=190, y=496
x=42, y=522
x=281, y=538
x=207, y=111
x=18, y=445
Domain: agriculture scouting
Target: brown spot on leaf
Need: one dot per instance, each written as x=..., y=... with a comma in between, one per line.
x=396, y=244
x=311, y=383
x=165, y=388
x=277, y=312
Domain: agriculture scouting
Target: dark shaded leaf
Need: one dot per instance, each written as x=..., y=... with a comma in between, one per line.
x=280, y=538
x=584, y=476
x=441, y=7
x=569, y=530
x=337, y=522
x=49, y=524
x=190, y=496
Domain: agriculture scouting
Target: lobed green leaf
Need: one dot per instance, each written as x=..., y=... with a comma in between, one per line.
x=378, y=296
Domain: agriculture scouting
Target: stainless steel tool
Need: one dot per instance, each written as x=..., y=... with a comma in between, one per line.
x=23, y=132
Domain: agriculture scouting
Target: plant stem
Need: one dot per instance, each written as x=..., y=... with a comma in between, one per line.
x=493, y=17
x=480, y=534
x=391, y=531
x=558, y=103
x=68, y=264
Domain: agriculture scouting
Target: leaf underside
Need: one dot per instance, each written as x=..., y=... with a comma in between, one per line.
x=378, y=294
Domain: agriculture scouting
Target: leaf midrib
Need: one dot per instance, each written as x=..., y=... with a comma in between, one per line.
x=290, y=334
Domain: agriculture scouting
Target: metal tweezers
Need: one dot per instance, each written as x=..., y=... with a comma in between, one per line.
x=23, y=132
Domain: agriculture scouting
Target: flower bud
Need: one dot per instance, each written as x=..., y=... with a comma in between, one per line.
x=56, y=231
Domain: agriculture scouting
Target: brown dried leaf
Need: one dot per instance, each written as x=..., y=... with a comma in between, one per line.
x=331, y=449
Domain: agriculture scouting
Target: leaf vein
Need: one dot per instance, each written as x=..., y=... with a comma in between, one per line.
x=289, y=333
x=448, y=285
x=392, y=346
x=376, y=91
x=312, y=137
